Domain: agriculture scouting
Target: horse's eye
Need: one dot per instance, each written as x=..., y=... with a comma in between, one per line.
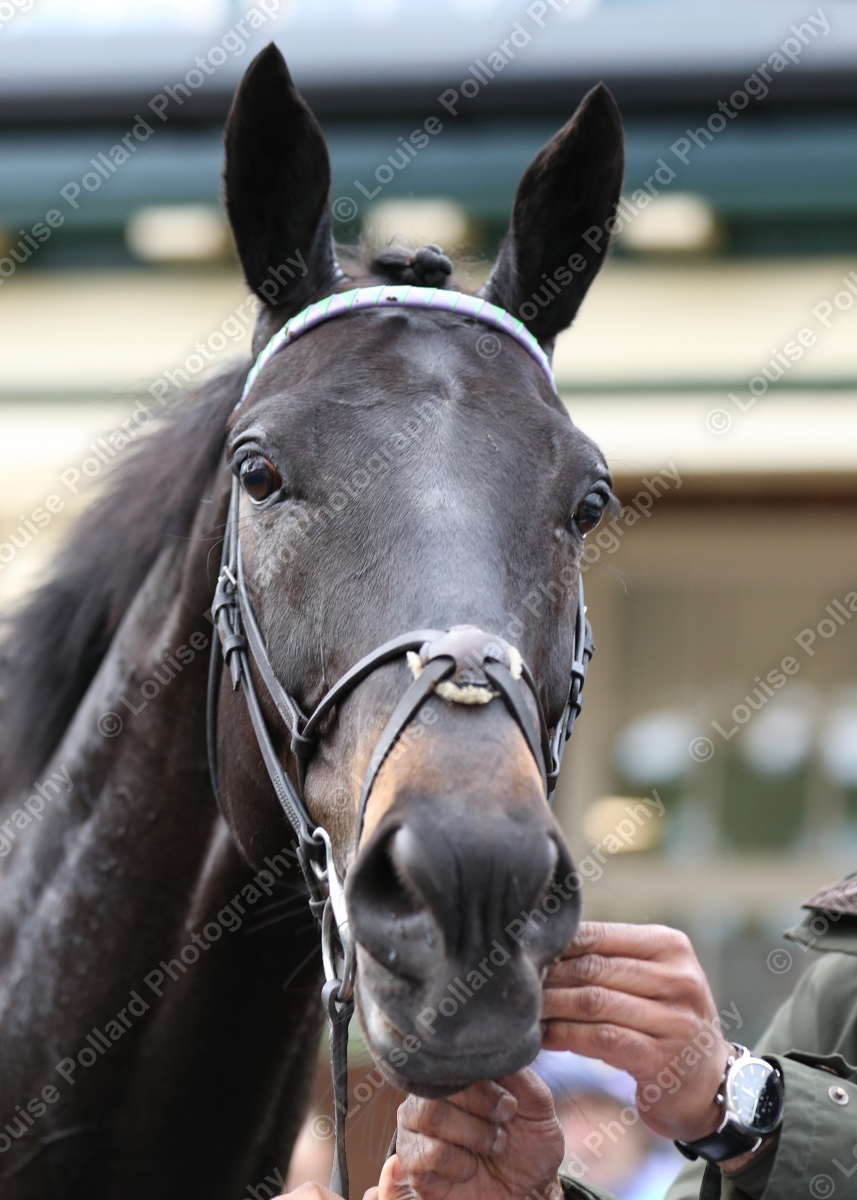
x=259, y=478
x=589, y=512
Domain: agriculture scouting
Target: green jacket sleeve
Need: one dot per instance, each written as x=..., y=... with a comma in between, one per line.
x=816, y=1154
x=813, y=1039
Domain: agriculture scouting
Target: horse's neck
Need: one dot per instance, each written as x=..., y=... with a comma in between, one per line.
x=120, y=845
x=100, y=893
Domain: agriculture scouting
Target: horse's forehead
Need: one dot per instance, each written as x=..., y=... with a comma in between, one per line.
x=384, y=363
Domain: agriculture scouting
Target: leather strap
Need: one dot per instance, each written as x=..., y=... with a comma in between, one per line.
x=414, y=697
x=387, y=652
x=286, y=705
x=339, y=1015
x=725, y=1143
x=537, y=741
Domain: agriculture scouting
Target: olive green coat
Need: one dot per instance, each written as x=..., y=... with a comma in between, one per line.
x=813, y=1040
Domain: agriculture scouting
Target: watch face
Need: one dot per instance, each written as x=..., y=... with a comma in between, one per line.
x=755, y=1096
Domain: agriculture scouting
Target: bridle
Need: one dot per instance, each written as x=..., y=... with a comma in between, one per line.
x=462, y=664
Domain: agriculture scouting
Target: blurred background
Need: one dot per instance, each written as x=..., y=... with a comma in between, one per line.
x=714, y=361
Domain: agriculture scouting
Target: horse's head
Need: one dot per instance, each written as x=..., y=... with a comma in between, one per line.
x=411, y=470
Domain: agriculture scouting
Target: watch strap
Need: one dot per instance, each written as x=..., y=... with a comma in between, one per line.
x=729, y=1140
x=724, y=1143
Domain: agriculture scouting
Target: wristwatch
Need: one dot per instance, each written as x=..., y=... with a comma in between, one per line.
x=751, y=1093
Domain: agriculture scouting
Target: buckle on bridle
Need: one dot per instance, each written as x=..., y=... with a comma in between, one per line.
x=225, y=616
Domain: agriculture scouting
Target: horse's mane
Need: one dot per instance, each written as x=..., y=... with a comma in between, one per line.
x=56, y=641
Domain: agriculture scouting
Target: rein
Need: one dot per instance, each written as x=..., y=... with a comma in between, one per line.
x=462, y=664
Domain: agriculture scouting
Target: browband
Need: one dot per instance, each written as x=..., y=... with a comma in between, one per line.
x=340, y=304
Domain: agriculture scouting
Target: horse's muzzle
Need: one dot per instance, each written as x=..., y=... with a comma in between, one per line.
x=455, y=915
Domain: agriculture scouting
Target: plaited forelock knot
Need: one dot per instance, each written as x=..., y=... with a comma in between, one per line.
x=426, y=267
x=430, y=267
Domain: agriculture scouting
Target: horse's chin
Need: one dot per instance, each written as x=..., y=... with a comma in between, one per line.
x=439, y=1077
x=410, y=1066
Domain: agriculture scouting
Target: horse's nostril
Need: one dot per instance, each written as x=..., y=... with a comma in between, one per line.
x=382, y=884
x=422, y=894
x=407, y=857
x=388, y=916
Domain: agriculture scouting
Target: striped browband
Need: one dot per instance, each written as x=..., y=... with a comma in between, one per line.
x=399, y=296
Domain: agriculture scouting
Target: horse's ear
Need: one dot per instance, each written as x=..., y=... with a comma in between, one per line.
x=562, y=208
x=277, y=180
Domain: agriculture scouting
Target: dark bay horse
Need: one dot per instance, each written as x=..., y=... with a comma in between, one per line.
x=159, y=968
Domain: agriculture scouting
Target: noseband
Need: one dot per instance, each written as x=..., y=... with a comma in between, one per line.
x=463, y=665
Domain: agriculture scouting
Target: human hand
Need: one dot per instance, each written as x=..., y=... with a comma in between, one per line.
x=636, y=997
x=312, y=1191
x=495, y=1141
